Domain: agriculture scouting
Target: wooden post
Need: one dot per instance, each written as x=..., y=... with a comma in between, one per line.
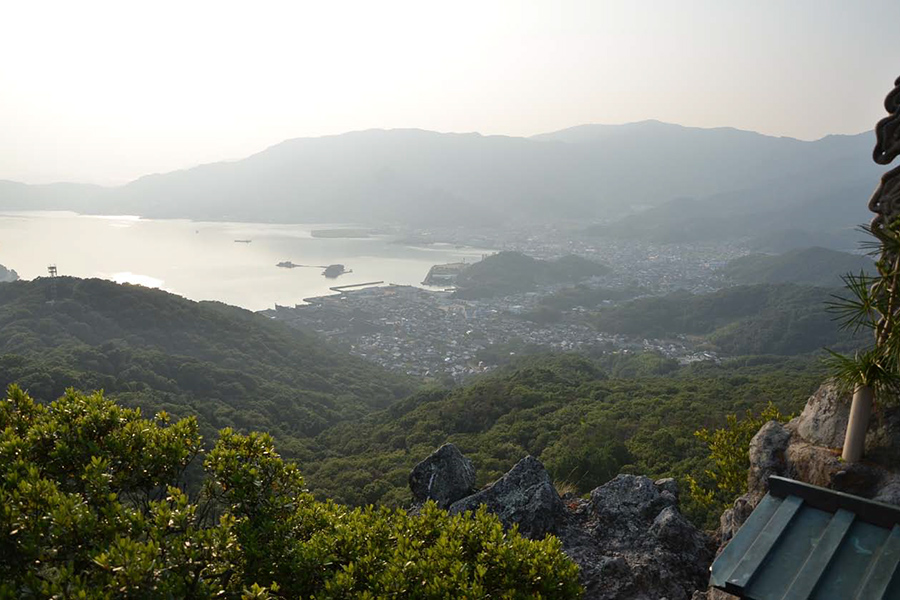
x=860, y=411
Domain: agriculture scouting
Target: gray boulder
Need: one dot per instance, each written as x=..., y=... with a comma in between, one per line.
x=671, y=528
x=445, y=477
x=669, y=485
x=889, y=491
x=630, y=541
x=525, y=496
x=883, y=439
x=630, y=496
x=823, y=421
x=767, y=454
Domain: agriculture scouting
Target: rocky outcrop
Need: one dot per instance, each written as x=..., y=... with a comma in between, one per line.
x=631, y=541
x=445, y=477
x=823, y=422
x=525, y=497
x=628, y=537
x=768, y=450
x=808, y=449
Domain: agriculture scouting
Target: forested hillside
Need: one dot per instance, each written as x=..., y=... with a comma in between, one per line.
x=162, y=352
x=809, y=266
x=760, y=319
x=586, y=421
x=507, y=273
x=357, y=430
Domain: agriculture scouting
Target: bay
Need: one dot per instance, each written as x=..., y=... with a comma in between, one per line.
x=201, y=260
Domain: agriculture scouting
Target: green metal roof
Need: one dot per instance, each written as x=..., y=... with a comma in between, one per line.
x=807, y=542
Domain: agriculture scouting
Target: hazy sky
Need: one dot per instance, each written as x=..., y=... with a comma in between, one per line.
x=107, y=91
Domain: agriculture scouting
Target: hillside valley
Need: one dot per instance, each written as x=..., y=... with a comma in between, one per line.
x=356, y=429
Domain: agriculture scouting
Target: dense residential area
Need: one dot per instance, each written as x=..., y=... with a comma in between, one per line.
x=448, y=334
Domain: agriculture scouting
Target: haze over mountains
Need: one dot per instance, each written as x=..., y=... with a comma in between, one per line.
x=703, y=183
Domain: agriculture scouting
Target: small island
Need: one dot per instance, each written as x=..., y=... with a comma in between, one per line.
x=330, y=271
x=333, y=271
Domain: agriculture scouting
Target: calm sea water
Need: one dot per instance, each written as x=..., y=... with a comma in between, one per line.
x=201, y=261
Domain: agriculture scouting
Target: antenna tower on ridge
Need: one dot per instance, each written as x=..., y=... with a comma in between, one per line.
x=52, y=271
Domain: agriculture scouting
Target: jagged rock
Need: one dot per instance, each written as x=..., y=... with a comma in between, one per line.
x=628, y=496
x=732, y=519
x=812, y=464
x=445, y=477
x=823, y=467
x=883, y=438
x=889, y=491
x=823, y=421
x=628, y=539
x=667, y=485
x=671, y=528
x=767, y=454
x=525, y=496
x=631, y=542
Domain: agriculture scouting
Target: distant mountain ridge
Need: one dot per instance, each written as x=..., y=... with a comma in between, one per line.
x=590, y=172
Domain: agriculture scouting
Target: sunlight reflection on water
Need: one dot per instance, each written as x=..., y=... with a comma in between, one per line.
x=200, y=260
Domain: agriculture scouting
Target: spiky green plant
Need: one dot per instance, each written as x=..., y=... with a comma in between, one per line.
x=872, y=302
x=871, y=368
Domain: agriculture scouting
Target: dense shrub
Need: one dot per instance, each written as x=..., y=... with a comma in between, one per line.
x=90, y=508
x=729, y=453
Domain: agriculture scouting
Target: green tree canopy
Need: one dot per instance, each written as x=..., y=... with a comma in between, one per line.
x=90, y=507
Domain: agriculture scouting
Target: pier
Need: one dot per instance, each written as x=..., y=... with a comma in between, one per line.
x=341, y=288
